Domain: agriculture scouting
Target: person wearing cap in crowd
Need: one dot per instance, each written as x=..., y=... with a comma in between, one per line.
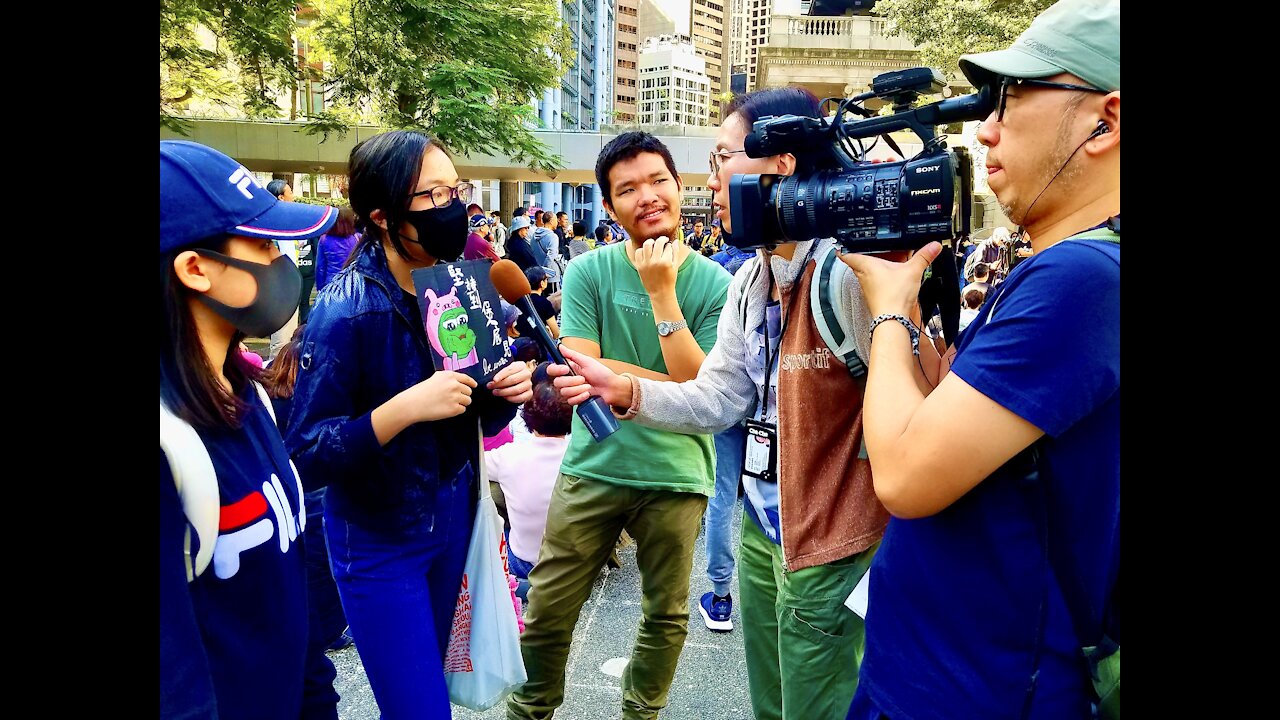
x=519, y=250
x=1002, y=560
x=478, y=246
x=233, y=593
x=394, y=439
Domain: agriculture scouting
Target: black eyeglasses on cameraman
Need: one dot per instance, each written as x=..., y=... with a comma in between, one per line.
x=1007, y=82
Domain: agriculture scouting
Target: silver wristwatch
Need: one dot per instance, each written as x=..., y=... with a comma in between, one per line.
x=666, y=328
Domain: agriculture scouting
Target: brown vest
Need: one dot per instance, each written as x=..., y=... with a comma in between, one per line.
x=828, y=505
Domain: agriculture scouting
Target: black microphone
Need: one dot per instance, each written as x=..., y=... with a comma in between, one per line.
x=514, y=287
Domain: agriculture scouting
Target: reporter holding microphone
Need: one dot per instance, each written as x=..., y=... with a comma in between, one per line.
x=394, y=439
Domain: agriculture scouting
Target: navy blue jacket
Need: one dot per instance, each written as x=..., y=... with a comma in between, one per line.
x=365, y=343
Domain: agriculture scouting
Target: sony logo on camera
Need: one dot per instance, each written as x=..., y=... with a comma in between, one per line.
x=930, y=168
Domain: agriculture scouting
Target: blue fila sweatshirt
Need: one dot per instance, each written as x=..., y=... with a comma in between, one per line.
x=233, y=642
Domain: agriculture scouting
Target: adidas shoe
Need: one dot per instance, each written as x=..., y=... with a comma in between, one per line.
x=716, y=611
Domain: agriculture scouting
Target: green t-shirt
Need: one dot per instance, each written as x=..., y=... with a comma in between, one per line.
x=605, y=302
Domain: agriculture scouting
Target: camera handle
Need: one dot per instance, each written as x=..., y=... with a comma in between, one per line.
x=942, y=291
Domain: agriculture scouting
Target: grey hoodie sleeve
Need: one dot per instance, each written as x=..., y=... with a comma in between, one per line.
x=722, y=394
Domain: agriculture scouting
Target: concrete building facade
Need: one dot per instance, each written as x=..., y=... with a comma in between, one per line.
x=674, y=88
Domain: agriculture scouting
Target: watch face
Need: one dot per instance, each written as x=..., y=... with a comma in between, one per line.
x=664, y=328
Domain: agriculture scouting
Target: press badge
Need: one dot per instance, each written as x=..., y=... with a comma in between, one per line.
x=760, y=456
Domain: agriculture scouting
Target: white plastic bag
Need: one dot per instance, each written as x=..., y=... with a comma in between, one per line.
x=483, y=663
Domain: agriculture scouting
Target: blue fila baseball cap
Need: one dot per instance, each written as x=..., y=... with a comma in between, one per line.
x=204, y=193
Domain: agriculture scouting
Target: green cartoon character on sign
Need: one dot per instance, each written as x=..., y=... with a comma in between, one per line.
x=448, y=332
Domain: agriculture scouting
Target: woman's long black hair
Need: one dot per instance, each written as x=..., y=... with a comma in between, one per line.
x=188, y=383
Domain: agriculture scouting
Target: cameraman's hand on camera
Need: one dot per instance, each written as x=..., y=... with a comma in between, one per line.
x=513, y=382
x=656, y=263
x=593, y=378
x=891, y=287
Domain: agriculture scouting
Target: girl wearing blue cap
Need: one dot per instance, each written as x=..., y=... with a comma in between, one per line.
x=233, y=613
x=395, y=440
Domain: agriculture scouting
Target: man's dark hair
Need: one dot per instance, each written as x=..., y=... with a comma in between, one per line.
x=579, y=230
x=519, y=211
x=276, y=187
x=624, y=147
x=546, y=413
x=973, y=299
x=525, y=349
x=536, y=276
x=773, y=101
x=981, y=269
x=561, y=214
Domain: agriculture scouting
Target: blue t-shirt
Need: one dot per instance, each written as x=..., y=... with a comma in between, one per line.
x=958, y=599
x=234, y=640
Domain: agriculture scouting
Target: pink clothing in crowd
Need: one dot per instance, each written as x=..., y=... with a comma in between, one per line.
x=527, y=470
x=253, y=358
x=497, y=441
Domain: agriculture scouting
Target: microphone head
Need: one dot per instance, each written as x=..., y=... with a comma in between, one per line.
x=510, y=281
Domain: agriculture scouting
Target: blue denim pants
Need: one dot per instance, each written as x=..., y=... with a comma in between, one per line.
x=720, y=509
x=399, y=590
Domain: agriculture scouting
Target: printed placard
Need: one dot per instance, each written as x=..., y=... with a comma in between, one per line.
x=463, y=318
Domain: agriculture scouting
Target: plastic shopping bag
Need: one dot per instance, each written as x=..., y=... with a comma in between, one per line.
x=483, y=663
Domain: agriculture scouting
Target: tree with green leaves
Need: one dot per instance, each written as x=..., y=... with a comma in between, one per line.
x=463, y=70
x=251, y=63
x=946, y=29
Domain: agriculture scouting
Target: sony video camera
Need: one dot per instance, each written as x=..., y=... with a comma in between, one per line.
x=865, y=206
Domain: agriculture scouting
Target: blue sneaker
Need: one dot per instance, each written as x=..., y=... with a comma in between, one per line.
x=716, y=611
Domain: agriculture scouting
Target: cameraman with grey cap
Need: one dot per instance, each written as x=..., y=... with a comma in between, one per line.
x=996, y=587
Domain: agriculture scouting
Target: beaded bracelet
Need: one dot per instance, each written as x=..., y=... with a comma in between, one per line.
x=911, y=328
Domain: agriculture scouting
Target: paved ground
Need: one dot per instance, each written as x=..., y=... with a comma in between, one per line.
x=710, y=682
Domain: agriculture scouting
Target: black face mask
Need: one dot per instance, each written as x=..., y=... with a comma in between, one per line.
x=442, y=232
x=279, y=285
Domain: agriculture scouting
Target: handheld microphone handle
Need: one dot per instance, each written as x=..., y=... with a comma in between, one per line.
x=537, y=330
x=594, y=413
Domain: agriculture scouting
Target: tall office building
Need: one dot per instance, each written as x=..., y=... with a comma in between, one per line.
x=703, y=22
x=708, y=33
x=674, y=88
x=578, y=97
x=627, y=54
x=736, y=36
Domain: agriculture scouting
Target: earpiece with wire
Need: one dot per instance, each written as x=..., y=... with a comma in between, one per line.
x=1102, y=129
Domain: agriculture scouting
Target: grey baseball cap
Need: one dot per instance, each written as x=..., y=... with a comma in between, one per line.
x=1081, y=37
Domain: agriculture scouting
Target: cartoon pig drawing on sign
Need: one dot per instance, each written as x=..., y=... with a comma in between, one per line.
x=448, y=332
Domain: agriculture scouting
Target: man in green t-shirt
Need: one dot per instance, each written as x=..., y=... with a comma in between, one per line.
x=649, y=307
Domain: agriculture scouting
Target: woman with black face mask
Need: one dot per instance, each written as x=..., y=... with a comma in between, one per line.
x=394, y=439
x=233, y=594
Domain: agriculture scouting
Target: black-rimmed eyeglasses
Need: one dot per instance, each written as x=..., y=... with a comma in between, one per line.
x=1008, y=82
x=718, y=158
x=442, y=195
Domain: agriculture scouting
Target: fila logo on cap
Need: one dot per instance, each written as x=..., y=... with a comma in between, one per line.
x=241, y=179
